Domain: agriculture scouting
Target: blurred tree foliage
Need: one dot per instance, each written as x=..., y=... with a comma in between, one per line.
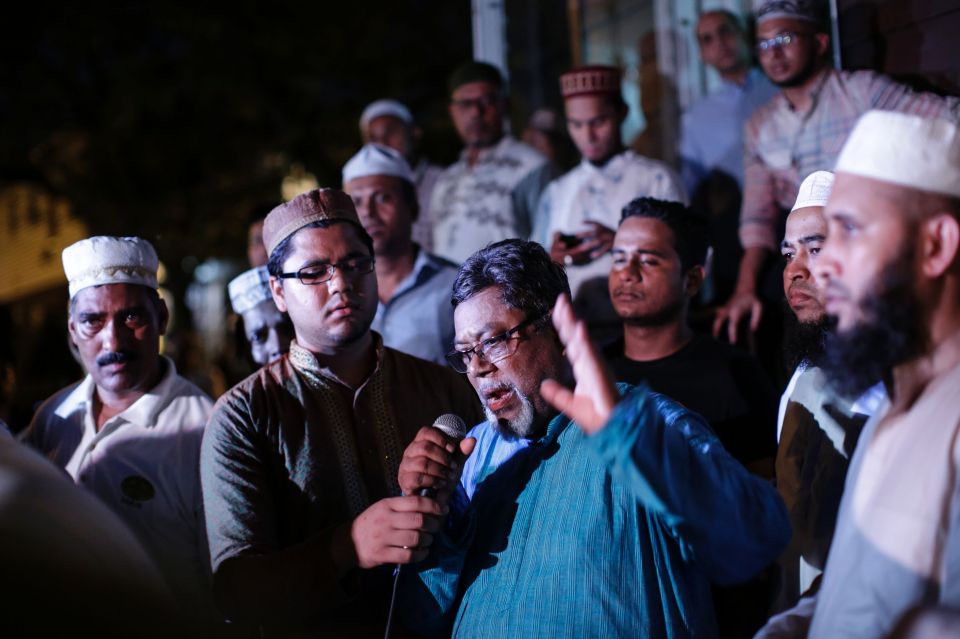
x=172, y=120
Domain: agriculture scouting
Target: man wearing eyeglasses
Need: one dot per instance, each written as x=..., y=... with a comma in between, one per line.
x=606, y=520
x=798, y=132
x=299, y=462
x=473, y=201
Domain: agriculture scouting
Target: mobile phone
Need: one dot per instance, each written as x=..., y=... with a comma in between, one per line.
x=570, y=241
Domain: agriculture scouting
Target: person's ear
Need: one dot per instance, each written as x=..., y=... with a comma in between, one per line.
x=694, y=280
x=163, y=315
x=822, y=43
x=276, y=290
x=940, y=237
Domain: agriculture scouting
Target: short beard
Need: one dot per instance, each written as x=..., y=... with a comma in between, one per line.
x=801, y=76
x=521, y=426
x=666, y=315
x=804, y=341
x=892, y=332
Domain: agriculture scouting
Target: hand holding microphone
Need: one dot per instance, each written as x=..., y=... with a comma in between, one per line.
x=433, y=461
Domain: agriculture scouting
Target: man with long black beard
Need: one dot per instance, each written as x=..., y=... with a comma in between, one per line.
x=890, y=270
x=798, y=132
x=817, y=430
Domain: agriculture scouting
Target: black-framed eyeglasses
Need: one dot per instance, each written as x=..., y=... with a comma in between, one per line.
x=314, y=274
x=784, y=39
x=482, y=103
x=493, y=349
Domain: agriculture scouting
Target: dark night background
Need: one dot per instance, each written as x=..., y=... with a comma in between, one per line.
x=173, y=121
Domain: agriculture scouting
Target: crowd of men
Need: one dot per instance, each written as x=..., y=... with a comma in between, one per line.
x=621, y=473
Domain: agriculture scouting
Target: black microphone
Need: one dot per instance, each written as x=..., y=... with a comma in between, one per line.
x=453, y=427
x=456, y=429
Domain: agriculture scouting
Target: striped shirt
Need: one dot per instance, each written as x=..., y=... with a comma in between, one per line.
x=782, y=146
x=612, y=535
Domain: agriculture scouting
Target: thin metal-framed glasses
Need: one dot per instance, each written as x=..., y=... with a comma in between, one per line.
x=778, y=41
x=493, y=349
x=314, y=274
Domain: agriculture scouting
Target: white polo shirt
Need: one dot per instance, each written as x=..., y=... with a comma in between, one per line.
x=145, y=465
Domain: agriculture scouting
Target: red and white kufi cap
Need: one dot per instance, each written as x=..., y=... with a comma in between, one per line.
x=591, y=80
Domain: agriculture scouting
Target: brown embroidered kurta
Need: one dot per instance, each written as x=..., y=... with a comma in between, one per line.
x=292, y=452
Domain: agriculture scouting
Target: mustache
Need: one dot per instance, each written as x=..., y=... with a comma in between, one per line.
x=116, y=357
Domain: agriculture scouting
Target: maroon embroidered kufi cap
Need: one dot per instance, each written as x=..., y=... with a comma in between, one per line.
x=313, y=206
x=592, y=80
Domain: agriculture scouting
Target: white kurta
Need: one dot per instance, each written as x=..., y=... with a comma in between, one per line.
x=472, y=206
x=145, y=465
x=598, y=194
x=897, y=542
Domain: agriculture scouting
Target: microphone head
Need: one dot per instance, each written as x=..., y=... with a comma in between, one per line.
x=451, y=425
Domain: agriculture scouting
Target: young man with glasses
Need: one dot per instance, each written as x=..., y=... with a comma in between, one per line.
x=798, y=132
x=472, y=203
x=607, y=520
x=299, y=461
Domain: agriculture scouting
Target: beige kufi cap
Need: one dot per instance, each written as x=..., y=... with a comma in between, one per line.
x=309, y=207
x=908, y=150
x=110, y=260
x=249, y=289
x=814, y=190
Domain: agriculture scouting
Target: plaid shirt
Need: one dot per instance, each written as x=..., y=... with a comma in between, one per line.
x=783, y=146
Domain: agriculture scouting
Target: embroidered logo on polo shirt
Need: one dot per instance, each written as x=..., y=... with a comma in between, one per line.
x=136, y=490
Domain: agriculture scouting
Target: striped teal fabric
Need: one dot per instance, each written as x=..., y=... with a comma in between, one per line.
x=615, y=535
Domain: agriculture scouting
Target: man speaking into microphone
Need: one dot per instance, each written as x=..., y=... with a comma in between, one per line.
x=608, y=519
x=299, y=462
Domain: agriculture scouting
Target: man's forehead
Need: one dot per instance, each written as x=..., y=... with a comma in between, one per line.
x=483, y=312
x=778, y=25
x=712, y=21
x=474, y=89
x=805, y=221
x=856, y=195
x=334, y=240
x=372, y=182
x=105, y=296
x=386, y=122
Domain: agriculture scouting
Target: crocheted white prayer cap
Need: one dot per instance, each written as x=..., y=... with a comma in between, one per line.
x=908, y=150
x=376, y=159
x=814, y=190
x=110, y=260
x=381, y=108
x=249, y=289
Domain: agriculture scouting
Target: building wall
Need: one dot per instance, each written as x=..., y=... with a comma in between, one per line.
x=35, y=226
x=914, y=40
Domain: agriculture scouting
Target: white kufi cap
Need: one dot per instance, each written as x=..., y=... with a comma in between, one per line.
x=110, y=260
x=376, y=159
x=381, y=108
x=249, y=289
x=814, y=190
x=908, y=150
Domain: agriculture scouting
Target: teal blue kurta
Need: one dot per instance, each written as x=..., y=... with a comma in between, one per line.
x=612, y=535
